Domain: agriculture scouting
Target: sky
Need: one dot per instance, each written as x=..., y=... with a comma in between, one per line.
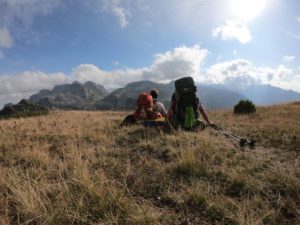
x=44, y=43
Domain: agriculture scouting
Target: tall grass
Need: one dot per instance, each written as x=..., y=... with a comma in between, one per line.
x=82, y=168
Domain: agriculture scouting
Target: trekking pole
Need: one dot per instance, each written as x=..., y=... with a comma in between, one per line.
x=242, y=140
x=170, y=127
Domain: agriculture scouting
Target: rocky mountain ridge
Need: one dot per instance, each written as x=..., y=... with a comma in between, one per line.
x=71, y=96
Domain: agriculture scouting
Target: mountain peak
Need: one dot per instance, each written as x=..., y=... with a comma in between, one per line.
x=71, y=96
x=90, y=83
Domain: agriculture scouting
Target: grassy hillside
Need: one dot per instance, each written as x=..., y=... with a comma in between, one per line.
x=81, y=168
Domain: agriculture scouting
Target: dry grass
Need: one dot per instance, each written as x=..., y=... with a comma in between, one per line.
x=81, y=168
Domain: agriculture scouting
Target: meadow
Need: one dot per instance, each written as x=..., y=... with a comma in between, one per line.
x=78, y=167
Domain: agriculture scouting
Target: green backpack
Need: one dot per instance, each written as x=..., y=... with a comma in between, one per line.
x=186, y=103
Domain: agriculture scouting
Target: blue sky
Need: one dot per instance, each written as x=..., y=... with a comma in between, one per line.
x=233, y=42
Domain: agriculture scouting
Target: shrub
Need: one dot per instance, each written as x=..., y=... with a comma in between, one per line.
x=24, y=108
x=244, y=106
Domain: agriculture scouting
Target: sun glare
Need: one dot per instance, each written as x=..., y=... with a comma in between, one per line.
x=247, y=9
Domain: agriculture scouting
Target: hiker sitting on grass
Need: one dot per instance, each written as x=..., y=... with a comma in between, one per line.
x=145, y=108
x=150, y=112
x=148, y=109
x=185, y=106
x=157, y=105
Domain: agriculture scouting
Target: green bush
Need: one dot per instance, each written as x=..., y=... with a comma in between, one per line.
x=244, y=106
x=24, y=108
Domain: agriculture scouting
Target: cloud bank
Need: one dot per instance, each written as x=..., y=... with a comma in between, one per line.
x=15, y=87
x=240, y=74
x=181, y=61
x=167, y=66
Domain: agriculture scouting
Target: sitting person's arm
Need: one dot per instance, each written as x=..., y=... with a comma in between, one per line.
x=203, y=113
x=161, y=109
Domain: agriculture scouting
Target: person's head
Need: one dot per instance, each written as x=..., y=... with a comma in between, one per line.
x=154, y=93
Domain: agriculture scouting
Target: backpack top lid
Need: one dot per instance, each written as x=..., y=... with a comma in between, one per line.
x=185, y=85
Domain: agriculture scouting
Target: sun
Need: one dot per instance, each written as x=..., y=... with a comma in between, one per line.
x=247, y=9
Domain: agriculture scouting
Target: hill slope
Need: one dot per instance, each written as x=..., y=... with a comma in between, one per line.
x=82, y=168
x=23, y=109
x=125, y=98
x=267, y=95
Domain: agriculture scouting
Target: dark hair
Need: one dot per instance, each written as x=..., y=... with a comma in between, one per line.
x=154, y=93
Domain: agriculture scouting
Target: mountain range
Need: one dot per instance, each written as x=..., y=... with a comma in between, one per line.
x=267, y=95
x=92, y=96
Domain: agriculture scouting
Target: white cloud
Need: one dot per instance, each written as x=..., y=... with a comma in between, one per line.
x=239, y=74
x=122, y=15
x=118, y=9
x=293, y=84
x=15, y=87
x=24, y=12
x=21, y=13
x=6, y=41
x=236, y=72
x=182, y=61
x=122, y=10
x=110, y=79
x=30, y=81
x=233, y=29
x=288, y=58
x=12, y=98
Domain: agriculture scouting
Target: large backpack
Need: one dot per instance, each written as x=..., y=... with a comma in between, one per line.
x=185, y=103
x=145, y=108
